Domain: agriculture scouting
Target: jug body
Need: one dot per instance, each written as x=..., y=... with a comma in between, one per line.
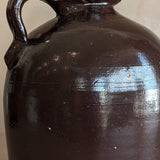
x=85, y=85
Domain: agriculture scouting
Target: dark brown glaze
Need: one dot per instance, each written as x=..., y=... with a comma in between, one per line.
x=85, y=87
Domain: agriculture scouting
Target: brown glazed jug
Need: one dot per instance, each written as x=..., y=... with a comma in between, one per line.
x=83, y=86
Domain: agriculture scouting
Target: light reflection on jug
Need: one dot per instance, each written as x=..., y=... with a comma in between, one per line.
x=140, y=77
x=133, y=99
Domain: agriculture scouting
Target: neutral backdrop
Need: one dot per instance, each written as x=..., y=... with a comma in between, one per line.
x=35, y=12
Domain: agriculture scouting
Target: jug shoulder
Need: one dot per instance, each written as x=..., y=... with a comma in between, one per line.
x=79, y=47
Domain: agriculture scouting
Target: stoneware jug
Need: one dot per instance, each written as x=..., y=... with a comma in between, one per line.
x=83, y=86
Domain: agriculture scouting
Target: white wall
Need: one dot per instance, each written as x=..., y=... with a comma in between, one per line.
x=36, y=12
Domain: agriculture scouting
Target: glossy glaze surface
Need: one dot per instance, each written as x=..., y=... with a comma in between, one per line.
x=86, y=86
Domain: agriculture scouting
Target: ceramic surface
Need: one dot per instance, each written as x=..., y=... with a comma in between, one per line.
x=82, y=86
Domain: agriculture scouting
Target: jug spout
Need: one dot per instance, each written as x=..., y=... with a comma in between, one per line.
x=65, y=7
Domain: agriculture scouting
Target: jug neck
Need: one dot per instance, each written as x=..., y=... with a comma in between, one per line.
x=67, y=8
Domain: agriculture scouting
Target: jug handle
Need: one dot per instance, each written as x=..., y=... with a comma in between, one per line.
x=20, y=39
x=15, y=21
